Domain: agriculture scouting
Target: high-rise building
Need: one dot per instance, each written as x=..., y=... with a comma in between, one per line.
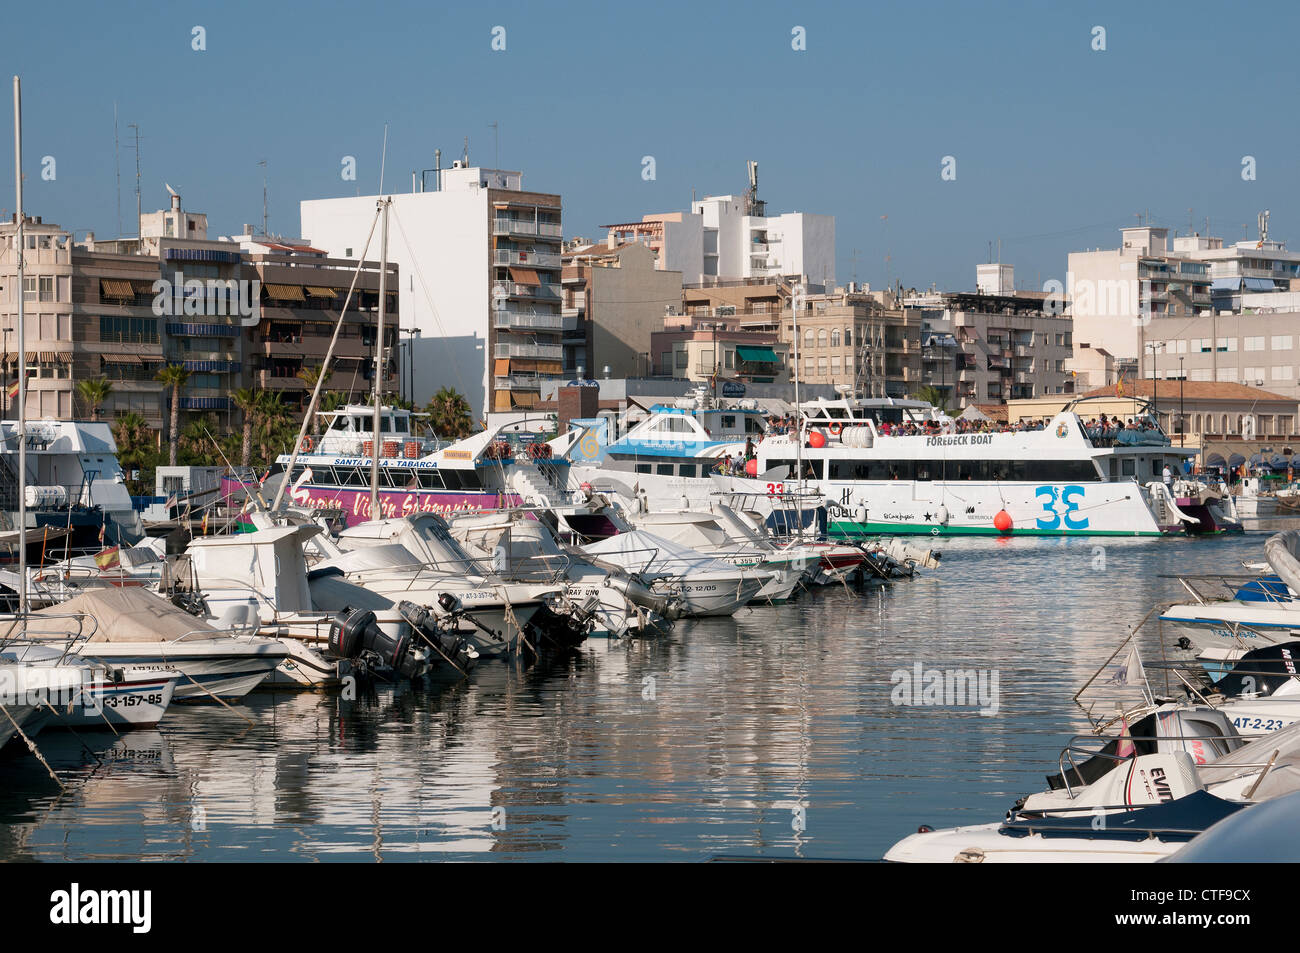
x=480, y=258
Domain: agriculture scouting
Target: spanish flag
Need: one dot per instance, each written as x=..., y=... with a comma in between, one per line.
x=13, y=390
x=109, y=558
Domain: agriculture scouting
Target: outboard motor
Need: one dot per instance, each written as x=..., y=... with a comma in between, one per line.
x=451, y=645
x=641, y=595
x=355, y=634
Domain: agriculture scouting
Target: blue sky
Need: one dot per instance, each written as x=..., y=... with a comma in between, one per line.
x=1056, y=145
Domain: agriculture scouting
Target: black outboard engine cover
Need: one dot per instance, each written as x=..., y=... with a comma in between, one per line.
x=347, y=631
x=355, y=632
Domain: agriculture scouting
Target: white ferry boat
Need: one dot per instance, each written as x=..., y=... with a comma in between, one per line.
x=899, y=467
x=488, y=471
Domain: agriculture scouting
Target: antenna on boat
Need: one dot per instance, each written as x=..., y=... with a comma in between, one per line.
x=384, y=205
x=22, y=354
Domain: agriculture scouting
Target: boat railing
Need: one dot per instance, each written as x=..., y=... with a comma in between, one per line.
x=58, y=634
x=1079, y=745
x=1209, y=587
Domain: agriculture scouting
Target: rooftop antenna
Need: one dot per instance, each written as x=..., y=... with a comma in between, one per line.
x=383, y=156
x=1263, y=228
x=117, y=170
x=496, y=144
x=138, y=233
x=262, y=163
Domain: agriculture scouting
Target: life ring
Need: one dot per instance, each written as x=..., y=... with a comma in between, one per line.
x=306, y=445
x=835, y=429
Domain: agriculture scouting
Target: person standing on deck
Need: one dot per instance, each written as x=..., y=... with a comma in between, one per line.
x=1169, y=477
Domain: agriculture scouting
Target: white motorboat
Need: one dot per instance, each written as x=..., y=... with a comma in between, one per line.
x=1231, y=615
x=1141, y=808
x=522, y=547
x=142, y=630
x=706, y=586
x=416, y=559
x=259, y=582
x=724, y=537
x=114, y=697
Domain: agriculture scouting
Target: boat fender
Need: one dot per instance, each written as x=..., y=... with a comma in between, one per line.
x=941, y=516
x=1002, y=522
x=862, y=515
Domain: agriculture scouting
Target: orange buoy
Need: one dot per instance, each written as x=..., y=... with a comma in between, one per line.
x=816, y=439
x=751, y=467
x=1002, y=522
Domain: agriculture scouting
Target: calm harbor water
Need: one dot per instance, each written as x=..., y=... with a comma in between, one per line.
x=725, y=737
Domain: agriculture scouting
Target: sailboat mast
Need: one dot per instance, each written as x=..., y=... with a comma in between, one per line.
x=379, y=361
x=22, y=353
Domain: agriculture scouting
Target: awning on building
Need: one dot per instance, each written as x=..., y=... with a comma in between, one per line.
x=286, y=292
x=524, y=276
x=764, y=355
x=115, y=288
x=142, y=286
x=1225, y=284
x=1258, y=284
x=122, y=359
x=322, y=292
x=502, y=367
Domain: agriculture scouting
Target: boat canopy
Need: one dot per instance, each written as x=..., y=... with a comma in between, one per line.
x=645, y=552
x=116, y=614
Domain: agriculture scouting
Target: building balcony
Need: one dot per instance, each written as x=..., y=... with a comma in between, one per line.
x=270, y=380
x=207, y=403
x=510, y=256
x=520, y=382
x=538, y=292
x=510, y=318
x=548, y=352
x=202, y=330
x=212, y=367
x=514, y=226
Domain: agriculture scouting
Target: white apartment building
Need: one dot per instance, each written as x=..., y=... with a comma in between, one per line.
x=728, y=237
x=1115, y=295
x=1247, y=268
x=480, y=263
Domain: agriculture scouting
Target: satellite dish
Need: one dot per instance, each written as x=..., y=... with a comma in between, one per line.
x=171, y=190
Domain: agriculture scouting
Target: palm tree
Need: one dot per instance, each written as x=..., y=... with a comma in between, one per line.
x=197, y=438
x=246, y=399
x=174, y=376
x=135, y=445
x=94, y=391
x=933, y=395
x=449, y=414
x=274, y=426
x=310, y=375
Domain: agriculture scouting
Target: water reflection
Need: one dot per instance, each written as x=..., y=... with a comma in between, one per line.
x=769, y=733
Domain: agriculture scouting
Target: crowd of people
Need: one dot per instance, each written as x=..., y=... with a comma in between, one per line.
x=1105, y=431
